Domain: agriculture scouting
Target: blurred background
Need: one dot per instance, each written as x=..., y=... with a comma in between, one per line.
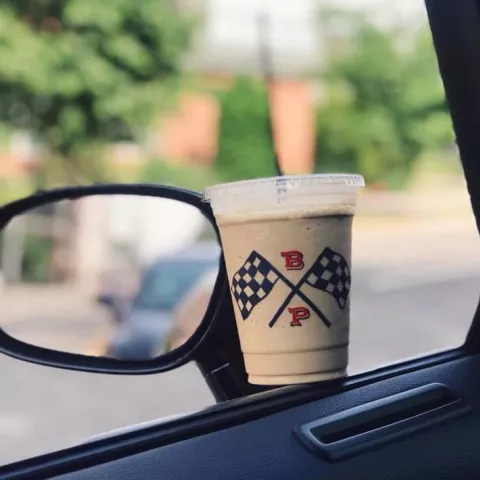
x=173, y=92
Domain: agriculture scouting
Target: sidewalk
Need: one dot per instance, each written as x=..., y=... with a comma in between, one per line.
x=427, y=235
x=440, y=218
x=431, y=201
x=27, y=301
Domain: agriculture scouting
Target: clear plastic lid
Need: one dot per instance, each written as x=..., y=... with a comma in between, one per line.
x=286, y=192
x=305, y=184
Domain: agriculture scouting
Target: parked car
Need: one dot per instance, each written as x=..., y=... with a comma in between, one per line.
x=190, y=310
x=143, y=327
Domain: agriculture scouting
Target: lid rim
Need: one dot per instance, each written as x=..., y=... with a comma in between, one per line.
x=287, y=182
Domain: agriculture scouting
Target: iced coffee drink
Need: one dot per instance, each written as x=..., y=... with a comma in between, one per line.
x=287, y=246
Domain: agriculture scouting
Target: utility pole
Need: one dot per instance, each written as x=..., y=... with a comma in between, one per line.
x=266, y=66
x=13, y=250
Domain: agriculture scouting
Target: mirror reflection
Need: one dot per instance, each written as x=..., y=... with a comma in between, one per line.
x=122, y=276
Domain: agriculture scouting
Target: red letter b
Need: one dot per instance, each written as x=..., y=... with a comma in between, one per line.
x=293, y=260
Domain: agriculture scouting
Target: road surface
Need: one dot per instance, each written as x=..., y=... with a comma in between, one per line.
x=43, y=409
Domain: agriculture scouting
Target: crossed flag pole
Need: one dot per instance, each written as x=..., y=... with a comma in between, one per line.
x=257, y=277
x=296, y=291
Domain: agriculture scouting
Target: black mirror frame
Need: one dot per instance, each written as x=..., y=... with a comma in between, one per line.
x=43, y=356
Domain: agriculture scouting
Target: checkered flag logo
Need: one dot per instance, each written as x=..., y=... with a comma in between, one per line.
x=331, y=274
x=253, y=282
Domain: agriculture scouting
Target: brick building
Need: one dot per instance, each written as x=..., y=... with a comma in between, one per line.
x=229, y=44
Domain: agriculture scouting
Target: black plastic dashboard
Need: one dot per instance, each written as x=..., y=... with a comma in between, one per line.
x=268, y=448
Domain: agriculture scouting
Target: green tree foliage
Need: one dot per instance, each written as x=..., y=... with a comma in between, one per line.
x=245, y=146
x=79, y=73
x=191, y=177
x=384, y=106
x=36, y=259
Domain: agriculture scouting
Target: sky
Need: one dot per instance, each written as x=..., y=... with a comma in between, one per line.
x=232, y=35
x=387, y=10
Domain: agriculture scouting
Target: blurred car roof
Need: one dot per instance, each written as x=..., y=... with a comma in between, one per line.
x=197, y=251
x=189, y=312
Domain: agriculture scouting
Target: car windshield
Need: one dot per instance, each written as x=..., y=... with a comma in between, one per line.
x=165, y=284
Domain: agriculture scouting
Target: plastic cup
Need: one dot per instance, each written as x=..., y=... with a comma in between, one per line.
x=287, y=247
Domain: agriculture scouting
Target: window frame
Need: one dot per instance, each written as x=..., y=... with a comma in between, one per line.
x=455, y=28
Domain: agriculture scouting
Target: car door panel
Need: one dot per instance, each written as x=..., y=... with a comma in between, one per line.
x=268, y=448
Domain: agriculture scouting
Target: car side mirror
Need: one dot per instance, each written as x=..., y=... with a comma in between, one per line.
x=167, y=246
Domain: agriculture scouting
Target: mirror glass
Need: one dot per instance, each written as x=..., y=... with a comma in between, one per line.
x=120, y=276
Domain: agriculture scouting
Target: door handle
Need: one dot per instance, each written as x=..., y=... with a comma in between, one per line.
x=376, y=423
